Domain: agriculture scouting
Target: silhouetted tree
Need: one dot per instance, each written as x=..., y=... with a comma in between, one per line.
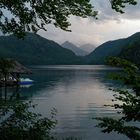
x=5, y=66
x=129, y=108
x=20, y=123
x=32, y=15
x=19, y=16
x=118, y=5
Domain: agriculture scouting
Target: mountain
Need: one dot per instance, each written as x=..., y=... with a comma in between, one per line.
x=74, y=48
x=35, y=49
x=114, y=48
x=131, y=52
x=88, y=47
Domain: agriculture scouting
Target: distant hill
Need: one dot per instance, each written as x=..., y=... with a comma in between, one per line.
x=74, y=48
x=88, y=47
x=35, y=49
x=121, y=47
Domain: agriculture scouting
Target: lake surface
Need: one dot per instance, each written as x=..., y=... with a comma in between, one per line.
x=79, y=93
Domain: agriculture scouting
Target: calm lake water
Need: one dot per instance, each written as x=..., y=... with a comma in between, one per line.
x=79, y=93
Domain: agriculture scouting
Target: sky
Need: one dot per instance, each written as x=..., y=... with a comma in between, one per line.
x=109, y=26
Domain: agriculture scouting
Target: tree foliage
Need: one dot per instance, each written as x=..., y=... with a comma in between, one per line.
x=32, y=15
x=118, y=5
x=128, y=123
x=20, y=123
x=5, y=66
x=19, y=16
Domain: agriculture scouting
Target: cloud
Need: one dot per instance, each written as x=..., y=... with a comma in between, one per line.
x=83, y=32
x=110, y=26
x=107, y=13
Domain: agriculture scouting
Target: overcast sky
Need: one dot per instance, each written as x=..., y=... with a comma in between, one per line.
x=109, y=26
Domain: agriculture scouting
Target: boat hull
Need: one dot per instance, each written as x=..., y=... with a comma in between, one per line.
x=25, y=83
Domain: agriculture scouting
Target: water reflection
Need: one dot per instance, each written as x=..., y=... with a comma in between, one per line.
x=78, y=93
x=9, y=93
x=15, y=93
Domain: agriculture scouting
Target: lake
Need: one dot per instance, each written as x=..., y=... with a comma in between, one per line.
x=79, y=93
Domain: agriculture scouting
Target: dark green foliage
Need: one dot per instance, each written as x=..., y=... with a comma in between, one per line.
x=5, y=66
x=18, y=122
x=129, y=102
x=118, y=5
x=118, y=126
x=19, y=16
x=32, y=15
x=132, y=52
x=35, y=49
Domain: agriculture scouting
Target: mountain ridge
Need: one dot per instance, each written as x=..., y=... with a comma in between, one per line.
x=74, y=48
x=88, y=47
x=111, y=48
x=35, y=49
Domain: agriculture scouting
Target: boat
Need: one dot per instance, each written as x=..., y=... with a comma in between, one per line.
x=25, y=81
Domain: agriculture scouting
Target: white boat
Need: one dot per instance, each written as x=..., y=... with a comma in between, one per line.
x=25, y=81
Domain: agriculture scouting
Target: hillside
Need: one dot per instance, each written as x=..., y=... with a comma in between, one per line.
x=74, y=48
x=114, y=48
x=88, y=47
x=36, y=50
x=131, y=52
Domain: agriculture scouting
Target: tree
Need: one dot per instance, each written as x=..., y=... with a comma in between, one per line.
x=5, y=66
x=33, y=15
x=129, y=107
x=118, y=5
x=20, y=123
